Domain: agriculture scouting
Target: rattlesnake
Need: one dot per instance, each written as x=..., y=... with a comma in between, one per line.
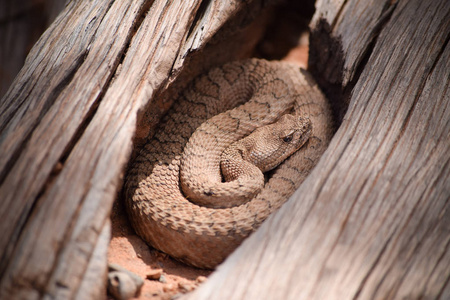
x=203, y=236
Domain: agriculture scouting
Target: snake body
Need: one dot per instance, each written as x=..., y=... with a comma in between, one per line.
x=224, y=105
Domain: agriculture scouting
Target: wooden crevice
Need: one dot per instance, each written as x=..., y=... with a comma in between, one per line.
x=67, y=134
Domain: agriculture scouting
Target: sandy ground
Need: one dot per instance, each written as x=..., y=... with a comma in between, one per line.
x=129, y=251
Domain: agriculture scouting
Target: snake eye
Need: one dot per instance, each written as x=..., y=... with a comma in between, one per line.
x=287, y=136
x=287, y=139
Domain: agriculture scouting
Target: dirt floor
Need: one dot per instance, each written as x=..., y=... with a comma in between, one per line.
x=170, y=277
x=129, y=251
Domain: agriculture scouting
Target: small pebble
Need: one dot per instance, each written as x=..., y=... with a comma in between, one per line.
x=121, y=286
x=162, y=279
x=168, y=287
x=200, y=279
x=185, y=287
x=136, y=278
x=154, y=274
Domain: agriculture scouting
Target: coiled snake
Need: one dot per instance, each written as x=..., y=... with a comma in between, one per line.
x=237, y=98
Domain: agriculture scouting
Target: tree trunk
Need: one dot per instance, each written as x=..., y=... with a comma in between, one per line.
x=372, y=219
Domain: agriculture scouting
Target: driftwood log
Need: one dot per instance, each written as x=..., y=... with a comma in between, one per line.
x=372, y=220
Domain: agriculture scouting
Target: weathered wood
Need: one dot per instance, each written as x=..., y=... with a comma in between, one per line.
x=341, y=44
x=49, y=232
x=372, y=221
x=67, y=124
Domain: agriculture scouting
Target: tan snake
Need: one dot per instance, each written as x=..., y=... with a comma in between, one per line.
x=260, y=93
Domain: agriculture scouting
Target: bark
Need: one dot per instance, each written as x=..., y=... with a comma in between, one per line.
x=372, y=220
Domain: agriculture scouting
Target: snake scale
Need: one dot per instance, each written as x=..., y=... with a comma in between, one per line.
x=225, y=105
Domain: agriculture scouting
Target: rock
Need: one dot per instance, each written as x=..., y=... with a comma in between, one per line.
x=136, y=278
x=123, y=284
x=200, y=279
x=154, y=274
x=186, y=287
x=168, y=287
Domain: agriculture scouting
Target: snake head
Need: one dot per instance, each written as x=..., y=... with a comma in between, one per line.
x=273, y=143
x=266, y=147
x=294, y=130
